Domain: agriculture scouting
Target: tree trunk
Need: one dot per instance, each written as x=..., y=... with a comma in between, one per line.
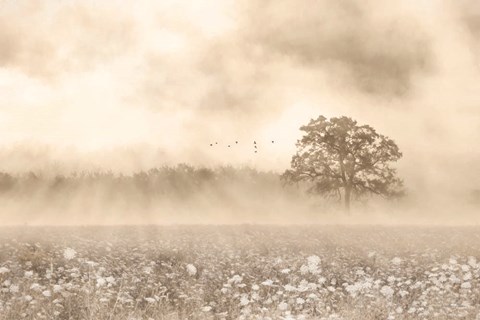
x=348, y=193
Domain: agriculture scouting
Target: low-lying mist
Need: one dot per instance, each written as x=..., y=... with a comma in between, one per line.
x=186, y=194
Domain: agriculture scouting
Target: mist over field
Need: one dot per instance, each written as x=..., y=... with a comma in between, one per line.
x=239, y=159
x=119, y=88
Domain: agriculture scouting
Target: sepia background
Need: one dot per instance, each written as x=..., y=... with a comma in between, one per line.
x=120, y=88
x=142, y=145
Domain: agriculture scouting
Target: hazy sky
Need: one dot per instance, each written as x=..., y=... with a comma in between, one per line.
x=160, y=80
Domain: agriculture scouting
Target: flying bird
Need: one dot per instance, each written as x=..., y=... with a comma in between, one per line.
x=272, y=141
x=254, y=142
x=236, y=141
x=211, y=144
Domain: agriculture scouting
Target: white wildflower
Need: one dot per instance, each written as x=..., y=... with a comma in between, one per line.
x=14, y=288
x=387, y=291
x=47, y=293
x=282, y=306
x=101, y=282
x=313, y=269
x=290, y=288
x=35, y=287
x=466, y=285
x=360, y=272
x=147, y=270
x=304, y=269
x=454, y=279
x=303, y=286
x=244, y=301
x=313, y=260
x=353, y=289
x=403, y=293
x=69, y=253
x=267, y=282
x=472, y=262
x=236, y=279
x=91, y=263
x=191, y=269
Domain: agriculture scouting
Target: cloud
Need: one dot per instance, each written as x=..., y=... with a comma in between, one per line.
x=376, y=55
x=50, y=39
x=468, y=14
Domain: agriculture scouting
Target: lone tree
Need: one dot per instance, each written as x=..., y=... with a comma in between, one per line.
x=339, y=156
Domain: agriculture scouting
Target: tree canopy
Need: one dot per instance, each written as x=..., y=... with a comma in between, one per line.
x=338, y=156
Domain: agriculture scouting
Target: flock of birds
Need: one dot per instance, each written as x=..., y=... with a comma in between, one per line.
x=255, y=148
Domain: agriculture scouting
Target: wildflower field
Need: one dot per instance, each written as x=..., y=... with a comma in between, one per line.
x=239, y=272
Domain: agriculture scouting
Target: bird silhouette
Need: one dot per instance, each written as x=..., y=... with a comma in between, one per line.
x=255, y=151
x=255, y=147
x=254, y=142
x=236, y=141
x=216, y=142
x=273, y=141
x=211, y=144
x=229, y=146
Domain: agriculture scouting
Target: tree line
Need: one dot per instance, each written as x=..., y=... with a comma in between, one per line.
x=182, y=180
x=336, y=158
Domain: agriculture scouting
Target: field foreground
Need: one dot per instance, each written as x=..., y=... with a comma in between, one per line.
x=239, y=272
